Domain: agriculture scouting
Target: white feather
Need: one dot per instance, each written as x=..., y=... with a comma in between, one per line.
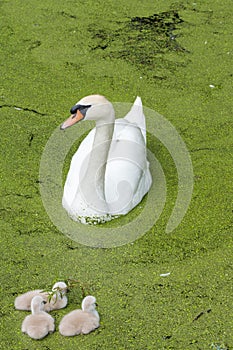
x=80, y=321
x=39, y=323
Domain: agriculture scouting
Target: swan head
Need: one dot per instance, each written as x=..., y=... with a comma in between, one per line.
x=89, y=304
x=93, y=107
x=61, y=287
x=37, y=304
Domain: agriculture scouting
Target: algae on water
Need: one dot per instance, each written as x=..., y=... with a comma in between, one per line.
x=53, y=54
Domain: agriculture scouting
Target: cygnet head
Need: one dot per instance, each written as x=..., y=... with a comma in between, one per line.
x=37, y=304
x=60, y=287
x=93, y=107
x=89, y=303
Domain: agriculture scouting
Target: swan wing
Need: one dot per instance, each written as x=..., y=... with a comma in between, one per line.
x=127, y=177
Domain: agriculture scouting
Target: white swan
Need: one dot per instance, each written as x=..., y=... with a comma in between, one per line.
x=80, y=321
x=39, y=323
x=57, y=301
x=109, y=174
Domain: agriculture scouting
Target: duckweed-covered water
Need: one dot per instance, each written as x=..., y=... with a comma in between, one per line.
x=178, y=57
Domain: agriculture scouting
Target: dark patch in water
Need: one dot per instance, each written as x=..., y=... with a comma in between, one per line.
x=142, y=40
x=68, y=15
x=164, y=22
x=34, y=45
x=26, y=109
x=165, y=337
x=76, y=66
x=31, y=137
x=27, y=232
x=27, y=196
x=201, y=314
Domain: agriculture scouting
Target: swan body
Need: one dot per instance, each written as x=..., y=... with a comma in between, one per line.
x=39, y=323
x=57, y=301
x=80, y=321
x=109, y=174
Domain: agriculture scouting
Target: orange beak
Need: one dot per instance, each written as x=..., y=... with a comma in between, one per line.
x=73, y=119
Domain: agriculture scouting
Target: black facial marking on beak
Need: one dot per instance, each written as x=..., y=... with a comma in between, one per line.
x=82, y=108
x=74, y=109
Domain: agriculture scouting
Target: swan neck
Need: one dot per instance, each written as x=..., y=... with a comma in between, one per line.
x=36, y=309
x=93, y=183
x=107, y=115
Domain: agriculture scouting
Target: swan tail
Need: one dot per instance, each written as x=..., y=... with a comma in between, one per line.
x=138, y=101
x=136, y=116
